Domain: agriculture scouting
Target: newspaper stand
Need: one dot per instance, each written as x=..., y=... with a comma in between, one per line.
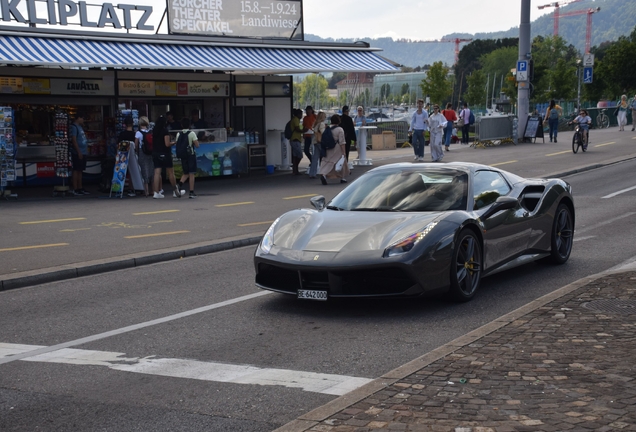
x=121, y=168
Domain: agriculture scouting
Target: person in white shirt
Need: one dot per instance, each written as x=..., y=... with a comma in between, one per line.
x=465, y=115
x=419, y=125
x=436, y=123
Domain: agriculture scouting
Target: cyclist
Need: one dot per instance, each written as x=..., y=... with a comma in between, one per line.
x=584, y=121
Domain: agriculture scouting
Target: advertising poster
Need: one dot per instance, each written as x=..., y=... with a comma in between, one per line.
x=121, y=167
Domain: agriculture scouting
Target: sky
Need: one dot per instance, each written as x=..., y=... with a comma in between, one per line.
x=413, y=19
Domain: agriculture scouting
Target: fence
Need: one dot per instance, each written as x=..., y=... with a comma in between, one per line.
x=493, y=127
x=400, y=128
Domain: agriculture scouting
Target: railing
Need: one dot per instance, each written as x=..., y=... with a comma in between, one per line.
x=400, y=128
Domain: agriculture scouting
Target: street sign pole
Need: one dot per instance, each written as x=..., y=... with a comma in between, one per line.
x=523, y=91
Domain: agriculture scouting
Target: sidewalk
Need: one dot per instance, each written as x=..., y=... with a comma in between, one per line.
x=564, y=362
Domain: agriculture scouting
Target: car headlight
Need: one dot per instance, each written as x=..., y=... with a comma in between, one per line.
x=268, y=239
x=406, y=244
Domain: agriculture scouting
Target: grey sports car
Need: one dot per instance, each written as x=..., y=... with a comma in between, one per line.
x=414, y=229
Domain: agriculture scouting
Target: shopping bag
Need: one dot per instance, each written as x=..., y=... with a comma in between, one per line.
x=340, y=163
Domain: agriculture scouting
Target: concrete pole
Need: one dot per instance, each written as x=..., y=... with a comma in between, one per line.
x=523, y=89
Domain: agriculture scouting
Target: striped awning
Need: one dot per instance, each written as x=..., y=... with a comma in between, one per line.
x=29, y=51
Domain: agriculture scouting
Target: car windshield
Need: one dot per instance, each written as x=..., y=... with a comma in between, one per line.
x=406, y=189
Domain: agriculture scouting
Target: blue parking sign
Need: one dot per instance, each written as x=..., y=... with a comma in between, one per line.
x=588, y=75
x=522, y=70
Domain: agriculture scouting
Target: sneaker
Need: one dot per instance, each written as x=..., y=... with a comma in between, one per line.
x=421, y=159
x=323, y=179
x=192, y=194
x=161, y=192
x=84, y=192
x=343, y=180
x=77, y=192
x=158, y=195
x=416, y=158
x=131, y=194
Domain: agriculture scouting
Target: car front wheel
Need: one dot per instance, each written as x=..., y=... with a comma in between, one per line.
x=465, y=271
x=562, y=235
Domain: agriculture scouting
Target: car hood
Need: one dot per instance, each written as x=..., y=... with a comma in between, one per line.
x=339, y=231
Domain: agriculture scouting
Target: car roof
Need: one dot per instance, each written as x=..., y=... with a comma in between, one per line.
x=468, y=167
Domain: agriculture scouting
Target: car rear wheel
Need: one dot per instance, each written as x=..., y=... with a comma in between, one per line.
x=562, y=235
x=465, y=272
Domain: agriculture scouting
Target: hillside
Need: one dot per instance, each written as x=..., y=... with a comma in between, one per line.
x=616, y=18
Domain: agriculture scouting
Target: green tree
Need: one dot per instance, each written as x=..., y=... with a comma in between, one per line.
x=336, y=77
x=499, y=62
x=476, y=93
x=554, y=68
x=563, y=83
x=313, y=91
x=385, y=91
x=405, y=89
x=620, y=66
x=437, y=83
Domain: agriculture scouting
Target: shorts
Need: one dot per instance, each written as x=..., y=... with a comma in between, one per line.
x=78, y=164
x=189, y=164
x=296, y=149
x=162, y=160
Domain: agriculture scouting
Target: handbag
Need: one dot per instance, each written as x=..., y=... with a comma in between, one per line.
x=340, y=163
x=460, y=120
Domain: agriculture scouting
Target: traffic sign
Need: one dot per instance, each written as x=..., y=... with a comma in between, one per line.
x=588, y=60
x=522, y=70
x=588, y=75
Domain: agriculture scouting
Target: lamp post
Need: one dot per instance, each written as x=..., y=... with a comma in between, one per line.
x=578, y=79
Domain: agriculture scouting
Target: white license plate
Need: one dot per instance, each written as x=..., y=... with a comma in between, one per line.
x=312, y=295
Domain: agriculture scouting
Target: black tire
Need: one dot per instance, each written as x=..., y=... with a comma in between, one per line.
x=605, y=121
x=562, y=235
x=466, y=265
x=575, y=143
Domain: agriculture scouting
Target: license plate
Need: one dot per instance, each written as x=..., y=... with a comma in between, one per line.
x=312, y=295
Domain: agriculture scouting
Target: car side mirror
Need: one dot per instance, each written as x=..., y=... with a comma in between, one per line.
x=502, y=203
x=318, y=202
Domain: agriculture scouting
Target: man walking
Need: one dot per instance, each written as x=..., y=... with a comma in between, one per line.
x=294, y=141
x=419, y=124
x=308, y=124
x=79, y=151
x=189, y=162
x=346, y=123
x=465, y=116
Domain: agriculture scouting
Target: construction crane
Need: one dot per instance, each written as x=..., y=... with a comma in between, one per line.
x=556, y=6
x=456, y=41
x=588, y=29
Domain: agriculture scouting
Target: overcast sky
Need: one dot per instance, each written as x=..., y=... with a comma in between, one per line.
x=412, y=19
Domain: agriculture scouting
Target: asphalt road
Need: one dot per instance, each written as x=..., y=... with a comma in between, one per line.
x=240, y=359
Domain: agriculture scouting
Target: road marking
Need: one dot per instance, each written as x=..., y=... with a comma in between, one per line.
x=504, y=163
x=605, y=144
x=255, y=223
x=612, y=195
x=73, y=230
x=51, y=221
x=130, y=328
x=583, y=238
x=155, y=212
x=161, y=221
x=607, y=222
x=193, y=369
x=299, y=196
x=156, y=234
x=563, y=152
x=235, y=204
x=33, y=247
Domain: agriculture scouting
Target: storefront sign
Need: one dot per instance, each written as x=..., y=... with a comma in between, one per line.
x=80, y=87
x=37, y=86
x=64, y=12
x=165, y=88
x=244, y=18
x=136, y=88
x=210, y=89
x=11, y=85
x=45, y=169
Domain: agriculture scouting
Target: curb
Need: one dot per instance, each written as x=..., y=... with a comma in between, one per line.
x=53, y=274
x=322, y=413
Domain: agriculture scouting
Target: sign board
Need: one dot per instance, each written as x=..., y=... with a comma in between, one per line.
x=37, y=86
x=246, y=18
x=136, y=88
x=11, y=85
x=522, y=70
x=588, y=60
x=165, y=88
x=204, y=88
x=80, y=86
x=534, y=128
x=588, y=75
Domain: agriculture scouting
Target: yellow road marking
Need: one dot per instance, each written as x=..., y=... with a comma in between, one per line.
x=256, y=223
x=72, y=230
x=299, y=196
x=634, y=138
x=33, y=247
x=51, y=221
x=504, y=163
x=155, y=212
x=156, y=235
x=235, y=204
x=162, y=221
x=563, y=152
x=604, y=144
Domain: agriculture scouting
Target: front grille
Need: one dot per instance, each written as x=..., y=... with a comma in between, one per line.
x=315, y=280
x=278, y=278
x=383, y=281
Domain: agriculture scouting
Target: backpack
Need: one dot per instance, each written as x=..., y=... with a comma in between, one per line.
x=471, y=119
x=183, y=144
x=288, y=130
x=147, y=141
x=328, y=142
x=554, y=114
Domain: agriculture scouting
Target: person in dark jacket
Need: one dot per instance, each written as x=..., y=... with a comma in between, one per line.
x=346, y=123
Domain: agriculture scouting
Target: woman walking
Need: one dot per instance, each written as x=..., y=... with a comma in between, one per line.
x=319, y=128
x=552, y=118
x=622, y=113
x=328, y=166
x=144, y=156
x=436, y=124
x=451, y=117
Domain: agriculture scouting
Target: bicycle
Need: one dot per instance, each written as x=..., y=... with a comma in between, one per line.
x=602, y=120
x=578, y=140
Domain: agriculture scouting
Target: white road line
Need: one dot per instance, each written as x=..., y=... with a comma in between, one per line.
x=583, y=238
x=130, y=328
x=193, y=369
x=612, y=195
x=607, y=222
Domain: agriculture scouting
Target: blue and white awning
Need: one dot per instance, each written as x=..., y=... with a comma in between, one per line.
x=30, y=51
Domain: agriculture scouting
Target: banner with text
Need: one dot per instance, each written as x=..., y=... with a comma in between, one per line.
x=245, y=18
